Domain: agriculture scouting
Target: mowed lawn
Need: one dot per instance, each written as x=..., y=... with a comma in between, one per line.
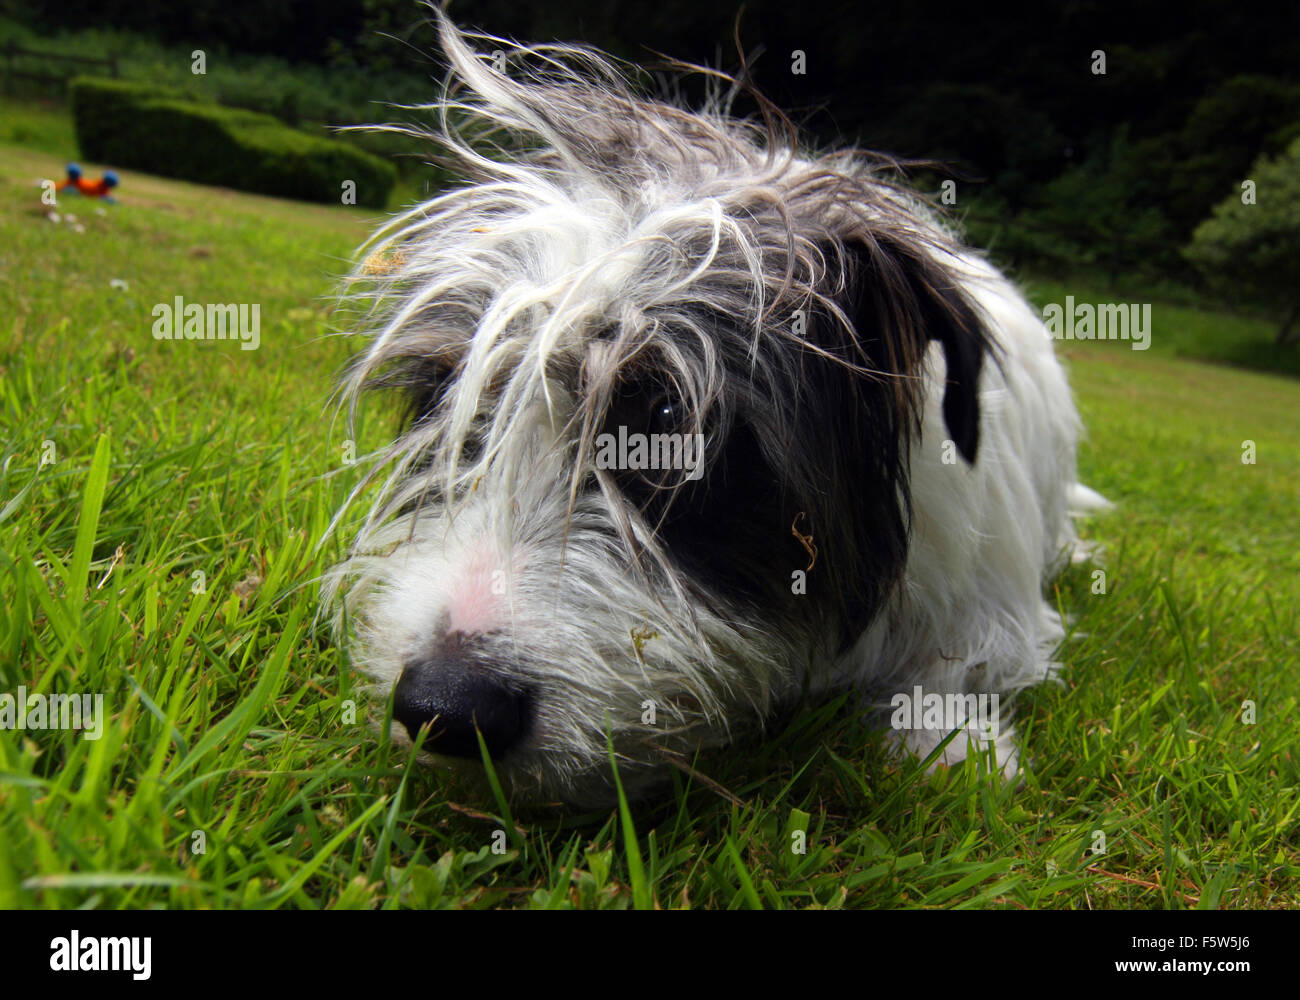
x=165, y=556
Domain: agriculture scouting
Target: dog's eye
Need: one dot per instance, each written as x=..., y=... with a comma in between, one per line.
x=647, y=442
x=662, y=418
x=646, y=408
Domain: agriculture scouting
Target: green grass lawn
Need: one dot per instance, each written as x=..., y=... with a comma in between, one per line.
x=164, y=556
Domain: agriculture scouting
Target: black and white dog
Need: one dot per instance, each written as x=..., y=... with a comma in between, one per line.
x=696, y=423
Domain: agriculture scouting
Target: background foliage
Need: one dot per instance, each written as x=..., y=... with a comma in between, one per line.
x=1110, y=172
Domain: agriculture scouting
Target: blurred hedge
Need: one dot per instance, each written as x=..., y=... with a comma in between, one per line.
x=129, y=125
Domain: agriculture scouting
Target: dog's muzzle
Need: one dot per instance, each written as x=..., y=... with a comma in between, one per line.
x=453, y=695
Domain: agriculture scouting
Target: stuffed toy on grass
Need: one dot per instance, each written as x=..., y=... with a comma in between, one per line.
x=77, y=184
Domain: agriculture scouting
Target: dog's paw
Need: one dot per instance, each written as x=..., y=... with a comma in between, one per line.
x=1004, y=755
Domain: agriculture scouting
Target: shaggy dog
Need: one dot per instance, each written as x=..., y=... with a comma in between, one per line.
x=696, y=423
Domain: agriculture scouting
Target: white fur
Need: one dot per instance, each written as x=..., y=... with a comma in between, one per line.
x=986, y=537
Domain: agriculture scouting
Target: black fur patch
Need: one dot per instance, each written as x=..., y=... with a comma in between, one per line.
x=806, y=442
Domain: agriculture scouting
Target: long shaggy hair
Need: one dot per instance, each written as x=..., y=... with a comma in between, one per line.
x=888, y=438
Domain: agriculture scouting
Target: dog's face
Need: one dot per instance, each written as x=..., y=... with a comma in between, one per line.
x=661, y=386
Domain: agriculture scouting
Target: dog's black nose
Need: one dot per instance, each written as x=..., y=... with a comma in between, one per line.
x=452, y=696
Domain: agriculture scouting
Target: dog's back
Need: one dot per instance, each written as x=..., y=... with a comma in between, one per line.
x=986, y=538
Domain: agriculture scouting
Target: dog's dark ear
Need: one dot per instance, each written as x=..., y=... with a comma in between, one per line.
x=899, y=299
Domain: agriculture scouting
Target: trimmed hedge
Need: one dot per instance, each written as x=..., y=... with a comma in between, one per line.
x=128, y=125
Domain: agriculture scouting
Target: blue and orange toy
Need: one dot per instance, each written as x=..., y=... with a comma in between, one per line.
x=77, y=184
